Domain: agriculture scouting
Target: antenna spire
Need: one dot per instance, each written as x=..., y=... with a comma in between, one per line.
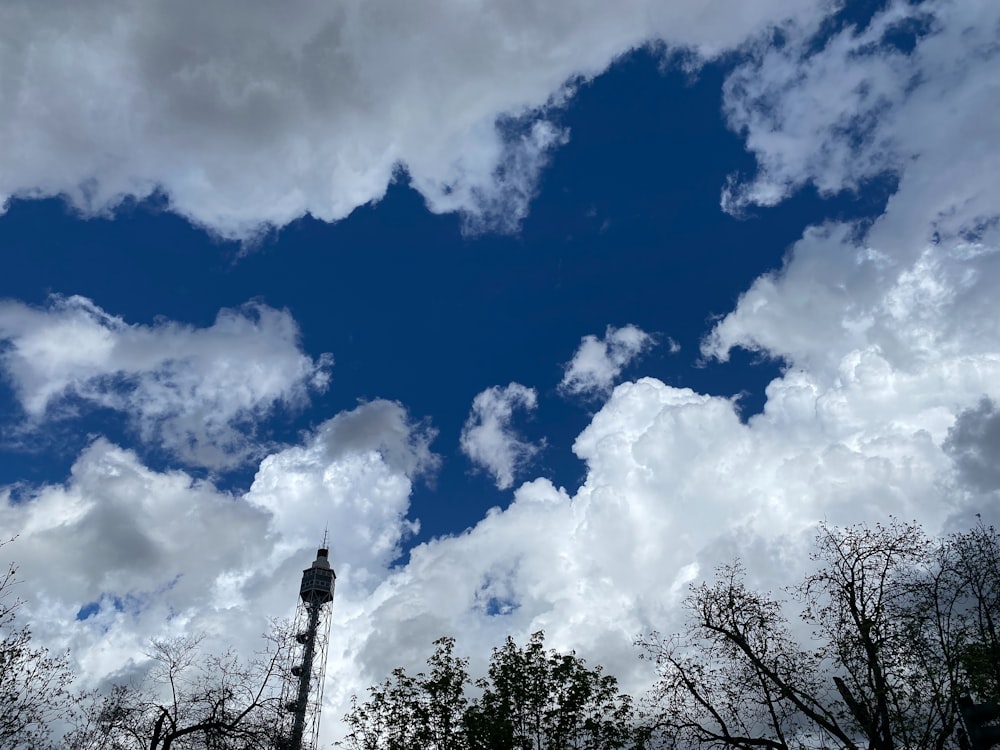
x=326, y=530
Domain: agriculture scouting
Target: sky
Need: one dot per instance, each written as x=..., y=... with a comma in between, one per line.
x=543, y=310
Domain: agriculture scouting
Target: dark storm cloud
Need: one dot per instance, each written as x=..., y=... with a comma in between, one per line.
x=974, y=444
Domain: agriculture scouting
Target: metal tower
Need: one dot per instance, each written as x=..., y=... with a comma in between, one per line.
x=302, y=695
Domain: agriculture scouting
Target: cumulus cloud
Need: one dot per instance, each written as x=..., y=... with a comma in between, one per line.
x=256, y=118
x=355, y=474
x=675, y=483
x=144, y=546
x=886, y=405
x=197, y=392
x=915, y=288
x=150, y=553
x=597, y=363
x=891, y=345
x=865, y=104
x=488, y=438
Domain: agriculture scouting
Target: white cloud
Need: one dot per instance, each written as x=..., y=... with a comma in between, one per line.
x=149, y=547
x=675, y=484
x=917, y=287
x=197, y=392
x=488, y=438
x=862, y=106
x=355, y=474
x=891, y=343
x=597, y=363
x=163, y=554
x=257, y=117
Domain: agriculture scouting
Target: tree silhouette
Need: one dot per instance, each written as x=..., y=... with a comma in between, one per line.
x=34, y=684
x=190, y=699
x=531, y=699
x=900, y=627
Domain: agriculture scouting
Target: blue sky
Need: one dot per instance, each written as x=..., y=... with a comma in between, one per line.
x=626, y=228
x=657, y=288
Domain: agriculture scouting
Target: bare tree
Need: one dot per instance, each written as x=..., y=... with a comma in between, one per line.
x=963, y=602
x=190, y=699
x=901, y=626
x=738, y=679
x=34, y=684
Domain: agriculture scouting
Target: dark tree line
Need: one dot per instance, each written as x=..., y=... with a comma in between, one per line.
x=882, y=646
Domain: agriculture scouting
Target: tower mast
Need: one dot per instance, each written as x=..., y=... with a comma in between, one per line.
x=302, y=695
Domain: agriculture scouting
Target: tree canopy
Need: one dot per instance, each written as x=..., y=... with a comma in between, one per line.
x=531, y=699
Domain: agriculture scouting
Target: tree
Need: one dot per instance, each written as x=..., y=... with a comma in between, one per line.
x=900, y=628
x=442, y=715
x=538, y=700
x=189, y=700
x=964, y=598
x=421, y=712
x=34, y=685
x=736, y=678
x=530, y=700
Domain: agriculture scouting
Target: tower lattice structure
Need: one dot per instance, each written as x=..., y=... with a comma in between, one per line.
x=302, y=694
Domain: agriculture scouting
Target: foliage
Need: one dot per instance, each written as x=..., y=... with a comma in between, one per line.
x=530, y=700
x=34, y=685
x=900, y=627
x=410, y=712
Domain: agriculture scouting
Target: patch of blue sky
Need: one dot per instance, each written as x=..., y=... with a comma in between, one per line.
x=88, y=610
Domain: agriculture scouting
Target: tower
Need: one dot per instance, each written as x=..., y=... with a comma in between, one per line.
x=302, y=695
